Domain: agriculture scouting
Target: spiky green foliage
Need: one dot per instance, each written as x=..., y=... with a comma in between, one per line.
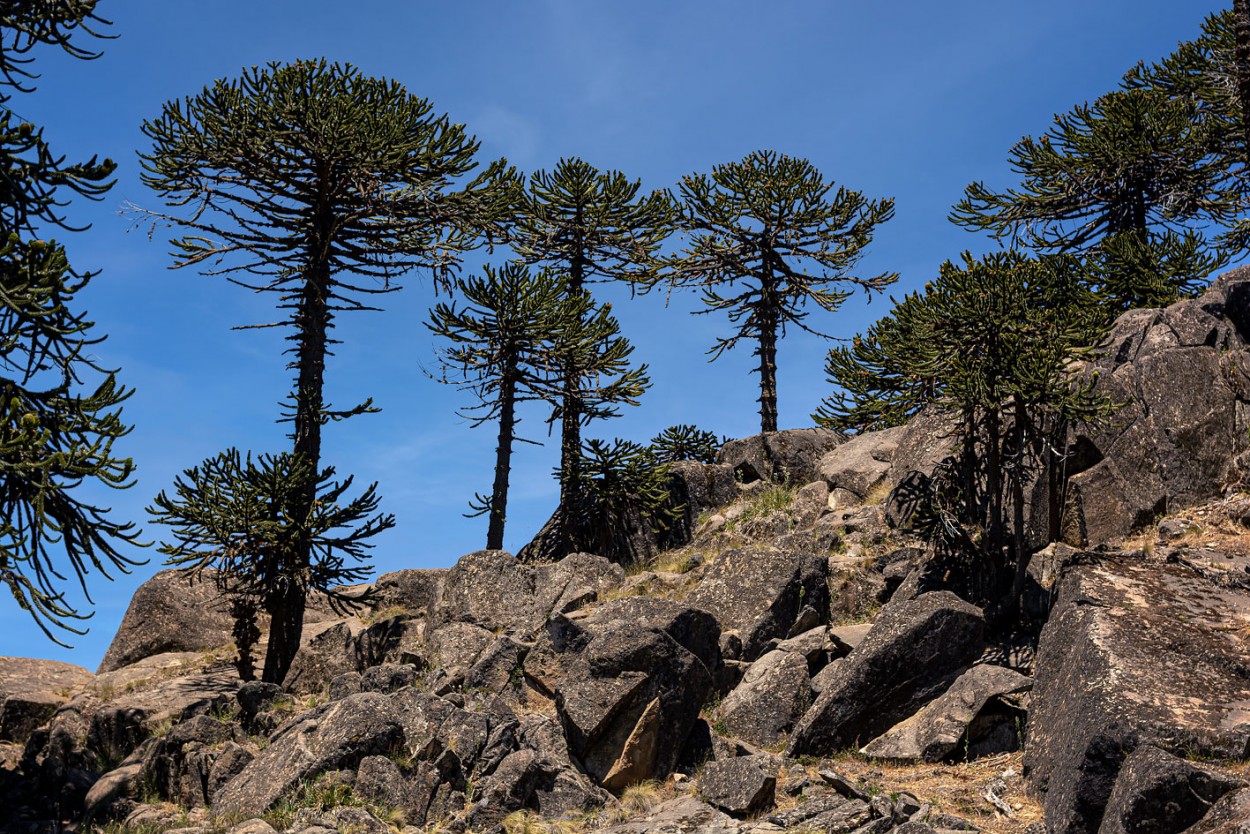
x=503, y=336
x=625, y=497
x=248, y=521
x=1000, y=339
x=1125, y=181
x=769, y=236
x=61, y=410
x=685, y=442
x=321, y=185
x=586, y=226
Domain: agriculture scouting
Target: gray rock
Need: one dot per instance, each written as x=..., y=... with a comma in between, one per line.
x=925, y=440
x=1230, y=815
x=1157, y=793
x=683, y=815
x=327, y=650
x=255, y=826
x=774, y=693
x=388, y=677
x=178, y=765
x=810, y=503
x=914, y=650
x=1160, y=632
x=31, y=691
x=698, y=488
x=862, y=464
x=740, y=786
x=832, y=814
x=759, y=592
x=843, y=785
x=413, y=591
x=942, y=725
x=783, y=457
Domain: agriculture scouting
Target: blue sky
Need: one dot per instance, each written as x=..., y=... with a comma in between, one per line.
x=909, y=99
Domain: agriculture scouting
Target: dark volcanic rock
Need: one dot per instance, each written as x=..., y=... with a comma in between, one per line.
x=913, y=651
x=1157, y=793
x=414, y=591
x=833, y=814
x=741, y=786
x=629, y=680
x=759, y=592
x=1231, y=815
x=697, y=488
x=940, y=728
x=783, y=457
x=1135, y=652
x=774, y=693
x=32, y=690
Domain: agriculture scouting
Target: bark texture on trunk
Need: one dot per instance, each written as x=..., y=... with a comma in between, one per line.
x=1241, y=34
x=503, y=458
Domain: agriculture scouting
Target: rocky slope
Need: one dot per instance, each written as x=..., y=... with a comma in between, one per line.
x=782, y=668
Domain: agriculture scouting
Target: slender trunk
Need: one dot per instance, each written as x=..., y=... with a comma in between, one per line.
x=312, y=325
x=993, y=487
x=1017, y=514
x=503, y=456
x=571, y=429
x=768, y=326
x=1241, y=33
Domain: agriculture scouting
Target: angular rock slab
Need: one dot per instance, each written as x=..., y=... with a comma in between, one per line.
x=862, y=464
x=774, y=694
x=782, y=457
x=1135, y=652
x=629, y=680
x=941, y=725
x=740, y=786
x=1231, y=815
x=1157, y=793
x=759, y=592
x=32, y=690
x=913, y=651
x=684, y=815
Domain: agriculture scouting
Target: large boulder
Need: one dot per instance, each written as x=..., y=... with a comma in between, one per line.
x=775, y=692
x=1183, y=376
x=1135, y=652
x=758, y=593
x=493, y=590
x=942, y=727
x=178, y=611
x=924, y=441
x=31, y=691
x=740, y=786
x=414, y=591
x=1158, y=793
x=913, y=652
x=1230, y=815
x=683, y=815
x=782, y=457
x=628, y=680
x=696, y=488
x=862, y=464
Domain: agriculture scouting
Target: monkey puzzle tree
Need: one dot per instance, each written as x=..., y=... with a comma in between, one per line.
x=321, y=185
x=1121, y=182
x=503, y=350
x=56, y=430
x=588, y=226
x=769, y=236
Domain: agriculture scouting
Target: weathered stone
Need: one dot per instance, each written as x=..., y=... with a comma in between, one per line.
x=683, y=815
x=774, y=694
x=414, y=591
x=1157, y=793
x=942, y=726
x=698, y=488
x=913, y=651
x=230, y=761
x=1230, y=815
x=843, y=785
x=862, y=464
x=925, y=440
x=832, y=814
x=178, y=765
x=740, y=786
x=629, y=680
x=810, y=502
x=388, y=677
x=1134, y=653
x=759, y=593
x=782, y=457
x=326, y=651
x=32, y=690
x=254, y=826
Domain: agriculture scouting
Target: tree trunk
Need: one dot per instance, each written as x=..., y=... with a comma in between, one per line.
x=768, y=323
x=503, y=457
x=571, y=429
x=1241, y=33
x=1017, y=514
x=286, y=625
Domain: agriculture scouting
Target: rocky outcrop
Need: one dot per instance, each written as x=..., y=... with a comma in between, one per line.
x=758, y=593
x=1230, y=815
x=740, y=786
x=782, y=457
x=774, y=693
x=628, y=681
x=949, y=723
x=1157, y=793
x=1135, y=652
x=31, y=691
x=1183, y=376
x=912, y=653
x=862, y=464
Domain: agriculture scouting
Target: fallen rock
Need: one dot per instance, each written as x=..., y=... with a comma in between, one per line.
x=1134, y=653
x=781, y=457
x=414, y=591
x=32, y=690
x=913, y=651
x=1157, y=793
x=698, y=488
x=326, y=651
x=774, y=693
x=683, y=815
x=862, y=464
x=1230, y=815
x=741, y=786
x=829, y=813
x=942, y=726
x=759, y=592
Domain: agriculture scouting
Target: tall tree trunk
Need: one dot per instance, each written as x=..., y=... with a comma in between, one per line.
x=769, y=323
x=1241, y=33
x=503, y=456
x=1017, y=513
x=312, y=325
x=571, y=428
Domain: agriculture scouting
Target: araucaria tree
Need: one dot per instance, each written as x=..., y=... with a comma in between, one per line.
x=320, y=185
x=60, y=412
x=588, y=226
x=768, y=236
x=503, y=349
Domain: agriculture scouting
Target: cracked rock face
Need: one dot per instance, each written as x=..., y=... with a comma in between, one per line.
x=1135, y=652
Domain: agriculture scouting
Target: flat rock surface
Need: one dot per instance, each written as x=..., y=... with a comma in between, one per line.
x=1135, y=652
x=31, y=690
